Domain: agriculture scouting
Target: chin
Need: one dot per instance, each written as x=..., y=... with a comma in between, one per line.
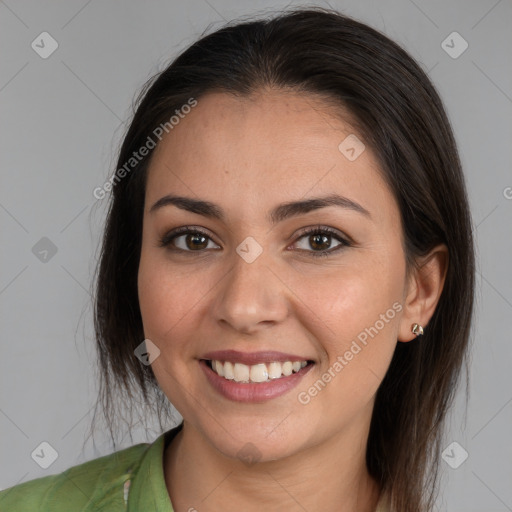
x=249, y=442
x=257, y=450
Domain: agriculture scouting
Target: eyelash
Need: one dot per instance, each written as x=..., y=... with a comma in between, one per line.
x=166, y=240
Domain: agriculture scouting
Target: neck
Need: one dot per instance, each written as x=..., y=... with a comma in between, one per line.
x=331, y=476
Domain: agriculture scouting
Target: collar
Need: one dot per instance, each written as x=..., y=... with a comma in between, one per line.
x=148, y=490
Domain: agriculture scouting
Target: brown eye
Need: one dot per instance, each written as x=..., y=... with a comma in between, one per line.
x=320, y=239
x=190, y=240
x=186, y=240
x=194, y=241
x=321, y=242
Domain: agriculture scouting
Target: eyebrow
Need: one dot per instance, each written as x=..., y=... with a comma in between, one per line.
x=278, y=214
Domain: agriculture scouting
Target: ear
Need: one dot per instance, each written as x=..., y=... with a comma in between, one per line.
x=423, y=291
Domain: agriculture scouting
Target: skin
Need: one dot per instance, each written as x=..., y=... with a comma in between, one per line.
x=248, y=155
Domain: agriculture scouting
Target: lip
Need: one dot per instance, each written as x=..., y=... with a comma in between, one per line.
x=251, y=358
x=253, y=392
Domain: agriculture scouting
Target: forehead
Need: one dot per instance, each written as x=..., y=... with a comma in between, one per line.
x=260, y=150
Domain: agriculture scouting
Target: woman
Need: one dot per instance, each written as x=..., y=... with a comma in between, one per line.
x=289, y=234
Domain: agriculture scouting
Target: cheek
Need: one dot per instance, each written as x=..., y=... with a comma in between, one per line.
x=354, y=313
x=169, y=300
x=167, y=297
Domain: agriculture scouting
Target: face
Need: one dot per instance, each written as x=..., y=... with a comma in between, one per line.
x=252, y=293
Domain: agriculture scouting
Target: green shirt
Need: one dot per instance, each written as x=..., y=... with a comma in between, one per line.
x=128, y=480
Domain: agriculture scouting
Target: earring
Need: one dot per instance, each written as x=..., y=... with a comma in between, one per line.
x=417, y=329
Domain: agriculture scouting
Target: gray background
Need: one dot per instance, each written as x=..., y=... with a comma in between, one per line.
x=62, y=119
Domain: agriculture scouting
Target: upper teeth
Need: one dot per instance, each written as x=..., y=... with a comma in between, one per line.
x=257, y=372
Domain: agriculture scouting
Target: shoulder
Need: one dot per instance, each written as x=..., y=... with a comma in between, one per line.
x=93, y=485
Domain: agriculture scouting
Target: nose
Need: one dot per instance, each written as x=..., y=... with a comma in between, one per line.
x=251, y=296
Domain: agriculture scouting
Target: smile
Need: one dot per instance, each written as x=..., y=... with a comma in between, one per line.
x=253, y=377
x=256, y=373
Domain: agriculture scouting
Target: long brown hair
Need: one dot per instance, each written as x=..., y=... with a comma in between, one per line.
x=399, y=113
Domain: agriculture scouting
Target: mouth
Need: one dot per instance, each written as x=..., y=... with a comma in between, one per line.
x=256, y=373
x=253, y=377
